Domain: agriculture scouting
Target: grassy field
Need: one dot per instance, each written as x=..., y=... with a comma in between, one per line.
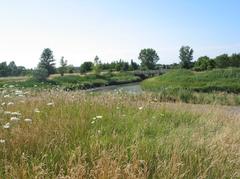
x=75, y=81
x=56, y=134
x=224, y=80
x=210, y=87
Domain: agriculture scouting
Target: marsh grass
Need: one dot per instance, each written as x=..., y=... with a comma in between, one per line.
x=90, y=135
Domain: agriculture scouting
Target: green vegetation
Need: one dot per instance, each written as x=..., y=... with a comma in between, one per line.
x=219, y=86
x=75, y=135
x=225, y=80
x=92, y=80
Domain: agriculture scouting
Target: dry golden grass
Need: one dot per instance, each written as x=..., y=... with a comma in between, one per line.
x=84, y=135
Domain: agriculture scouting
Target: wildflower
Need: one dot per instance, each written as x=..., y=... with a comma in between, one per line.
x=10, y=103
x=28, y=120
x=2, y=141
x=36, y=110
x=16, y=114
x=14, y=119
x=6, y=96
x=50, y=104
x=3, y=103
x=11, y=86
x=99, y=131
x=7, y=112
x=35, y=85
x=140, y=108
x=99, y=117
x=6, y=126
x=94, y=118
x=92, y=122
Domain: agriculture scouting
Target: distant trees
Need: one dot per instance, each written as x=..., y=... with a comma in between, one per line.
x=47, y=61
x=11, y=69
x=86, y=67
x=186, y=57
x=63, y=66
x=148, y=58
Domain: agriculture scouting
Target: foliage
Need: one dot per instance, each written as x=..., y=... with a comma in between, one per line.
x=148, y=58
x=186, y=57
x=47, y=61
x=225, y=80
x=63, y=66
x=204, y=63
x=86, y=67
x=40, y=74
x=97, y=66
x=11, y=69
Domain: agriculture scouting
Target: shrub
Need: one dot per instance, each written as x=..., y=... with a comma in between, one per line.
x=40, y=74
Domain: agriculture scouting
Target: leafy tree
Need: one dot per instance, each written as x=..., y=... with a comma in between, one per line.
x=70, y=69
x=133, y=65
x=40, y=74
x=235, y=60
x=148, y=58
x=63, y=65
x=86, y=67
x=222, y=61
x=97, y=65
x=186, y=57
x=204, y=63
x=47, y=61
x=4, y=71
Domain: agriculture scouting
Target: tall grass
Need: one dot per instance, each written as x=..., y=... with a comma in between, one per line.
x=223, y=80
x=85, y=135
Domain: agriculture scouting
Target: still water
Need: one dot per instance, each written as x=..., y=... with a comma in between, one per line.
x=131, y=88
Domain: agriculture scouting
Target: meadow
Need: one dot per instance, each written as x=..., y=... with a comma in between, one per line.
x=59, y=134
x=218, y=86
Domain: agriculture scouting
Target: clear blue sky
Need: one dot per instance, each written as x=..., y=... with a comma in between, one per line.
x=114, y=29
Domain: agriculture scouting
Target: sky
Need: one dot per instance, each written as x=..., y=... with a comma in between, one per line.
x=116, y=29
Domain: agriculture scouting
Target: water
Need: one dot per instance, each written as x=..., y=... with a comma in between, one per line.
x=130, y=88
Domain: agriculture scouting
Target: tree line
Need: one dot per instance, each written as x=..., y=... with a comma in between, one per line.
x=148, y=58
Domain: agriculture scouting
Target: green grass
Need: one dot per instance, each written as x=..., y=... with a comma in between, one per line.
x=134, y=137
x=223, y=80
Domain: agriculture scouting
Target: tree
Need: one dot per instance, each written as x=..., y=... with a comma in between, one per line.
x=222, y=61
x=86, y=67
x=204, y=63
x=97, y=65
x=4, y=71
x=148, y=58
x=186, y=57
x=47, y=61
x=133, y=65
x=235, y=60
x=63, y=65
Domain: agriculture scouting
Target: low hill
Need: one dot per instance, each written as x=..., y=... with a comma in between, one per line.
x=224, y=80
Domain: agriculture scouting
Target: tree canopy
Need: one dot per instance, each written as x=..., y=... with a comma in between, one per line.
x=148, y=58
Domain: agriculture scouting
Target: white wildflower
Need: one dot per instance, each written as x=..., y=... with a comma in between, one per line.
x=7, y=112
x=140, y=108
x=11, y=86
x=16, y=114
x=99, y=117
x=50, y=104
x=92, y=122
x=2, y=141
x=14, y=119
x=36, y=110
x=10, y=103
x=6, y=96
x=6, y=126
x=94, y=118
x=3, y=103
x=28, y=120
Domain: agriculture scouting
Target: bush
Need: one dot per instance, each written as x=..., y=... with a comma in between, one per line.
x=40, y=74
